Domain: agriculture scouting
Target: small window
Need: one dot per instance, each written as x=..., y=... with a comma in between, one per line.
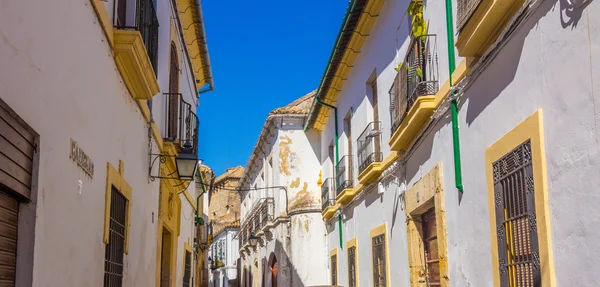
x=115, y=249
x=334, y=269
x=187, y=273
x=352, y=266
x=379, y=266
x=516, y=225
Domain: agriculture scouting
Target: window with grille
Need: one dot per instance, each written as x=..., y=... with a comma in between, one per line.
x=115, y=249
x=352, y=266
x=187, y=272
x=430, y=243
x=333, y=269
x=379, y=268
x=518, y=251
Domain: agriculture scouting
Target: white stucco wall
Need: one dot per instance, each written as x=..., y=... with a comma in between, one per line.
x=548, y=65
x=63, y=81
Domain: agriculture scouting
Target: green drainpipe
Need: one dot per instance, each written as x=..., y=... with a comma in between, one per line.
x=454, y=104
x=197, y=218
x=337, y=154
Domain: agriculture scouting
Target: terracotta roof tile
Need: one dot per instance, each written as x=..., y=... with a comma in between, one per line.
x=299, y=106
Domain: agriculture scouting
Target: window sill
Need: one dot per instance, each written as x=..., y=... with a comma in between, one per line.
x=416, y=117
x=370, y=173
x=134, y=64
x=329, y=211
x=485, y=25
x=346, y=195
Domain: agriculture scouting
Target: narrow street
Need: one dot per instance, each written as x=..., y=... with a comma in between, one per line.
x=382, y=143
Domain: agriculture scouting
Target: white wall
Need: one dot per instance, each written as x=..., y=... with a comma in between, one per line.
x=548, y=65
x=63, y=81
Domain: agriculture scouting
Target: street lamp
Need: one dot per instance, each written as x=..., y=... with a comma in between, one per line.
x=253, y=239
x=186, y=162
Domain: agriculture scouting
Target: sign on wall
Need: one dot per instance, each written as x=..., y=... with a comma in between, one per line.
x=82, y=159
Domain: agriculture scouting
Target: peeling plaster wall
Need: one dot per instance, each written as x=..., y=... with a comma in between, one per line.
x=63, y=81
x=298, y=247
x=551, y=64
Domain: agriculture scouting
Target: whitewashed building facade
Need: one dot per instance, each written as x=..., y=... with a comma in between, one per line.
x=514, y=203
x=82, y=199
x=281, y=204
x=224, y=248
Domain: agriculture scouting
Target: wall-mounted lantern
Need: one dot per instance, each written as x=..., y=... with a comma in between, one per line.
x=253, y=239
x=186, y=163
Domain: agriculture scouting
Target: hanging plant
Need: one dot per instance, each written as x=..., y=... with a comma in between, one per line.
x=415, y=11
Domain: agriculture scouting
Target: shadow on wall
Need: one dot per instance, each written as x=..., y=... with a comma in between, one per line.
x=500, y=74
x=571, y=11
x=284, y=270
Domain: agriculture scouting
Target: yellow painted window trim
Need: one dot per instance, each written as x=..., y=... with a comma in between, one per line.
x=117, y=179
x=353, y=243
x=381, y=229
x=427, y=193
x=485, y=25
x=104, y=20
x=187, y=248
x=530, y=129
x=334, y=252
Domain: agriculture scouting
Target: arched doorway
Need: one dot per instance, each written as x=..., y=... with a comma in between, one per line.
x=273, y=266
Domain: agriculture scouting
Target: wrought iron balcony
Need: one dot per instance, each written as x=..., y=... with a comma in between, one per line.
x=267, y=212
x=418, y=76
x=327, y=193
x=146, y=22
x=369, y=146
x=344, y=174
x=181, y=122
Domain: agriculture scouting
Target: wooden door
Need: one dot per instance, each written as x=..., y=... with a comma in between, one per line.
x=274, y=273
x=9, y=211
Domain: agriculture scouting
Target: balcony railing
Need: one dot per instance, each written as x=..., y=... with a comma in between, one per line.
x=146, y=22
x=327, y=193
x=418, y=76
x=267, y=212
x=344, y=174
x=181, y=124
x=369, y=146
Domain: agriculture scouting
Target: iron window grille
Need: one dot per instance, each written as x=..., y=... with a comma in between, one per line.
x=344, y=174
x=369, y=146
x=352, y=266
x=187, y=273
x=182, y=126
x=514, y=199
x=379, y=266
x=333, y=269
x=115, y=249
x=418, y=76
x=146, y=22
x=327, y=193
x=465, y=9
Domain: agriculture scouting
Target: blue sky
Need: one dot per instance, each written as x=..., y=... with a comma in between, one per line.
x=264, y=55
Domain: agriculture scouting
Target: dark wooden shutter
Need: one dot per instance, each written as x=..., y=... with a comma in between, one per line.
x=174, y=93
x=465, y=9
x=17, y=146
x=9, y=211
x=430, y=242
x=187, y=272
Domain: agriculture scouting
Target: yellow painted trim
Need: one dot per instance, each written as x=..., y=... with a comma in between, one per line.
x=117, y=179
x=532, y=129
x=412, y=124
x=382, y=229
x=334, y=252
x=346, y=195
x=427, y=193
x=372, y=172
x=459, y=73
x=104, y=20
x=173, y=255
x=363, y=27
x=193, y=42
x=329, y=211
x=187, y=248
x=353, y=243
x=485, y=25
x=134, y=64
